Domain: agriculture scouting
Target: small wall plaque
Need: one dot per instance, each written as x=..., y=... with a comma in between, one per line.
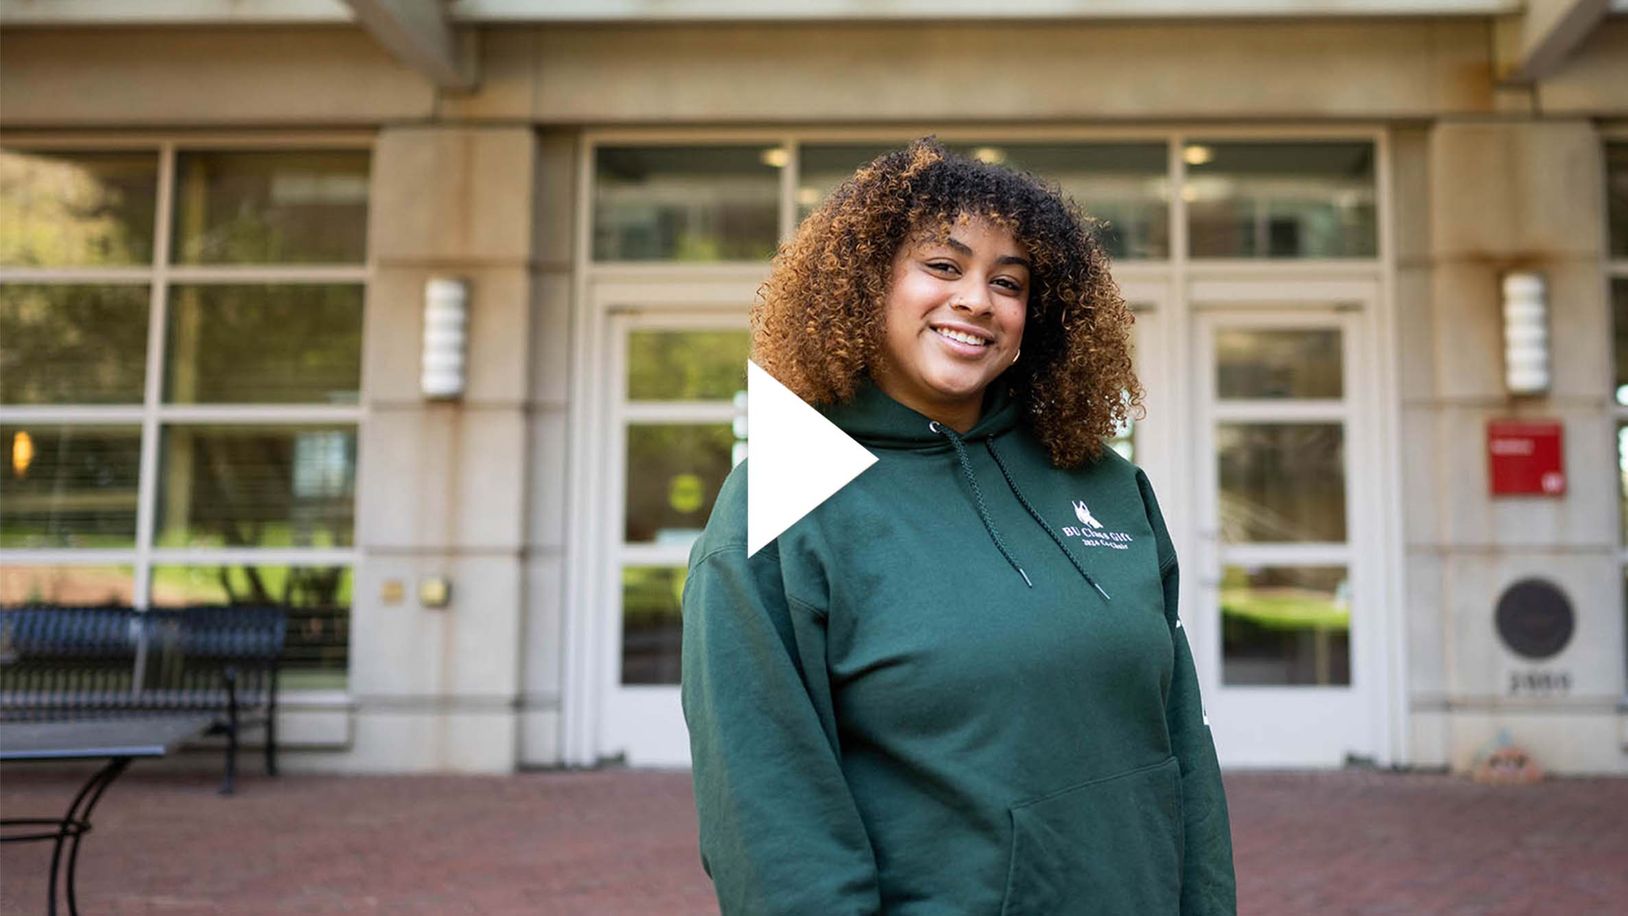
x=435, y=592
x=1535, y=618
x=1526, y=458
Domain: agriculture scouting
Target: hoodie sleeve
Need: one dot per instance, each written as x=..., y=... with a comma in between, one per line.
x=780, y=833
x=1208, y=884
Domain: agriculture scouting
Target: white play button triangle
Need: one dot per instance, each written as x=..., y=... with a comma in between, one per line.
x=798, y=458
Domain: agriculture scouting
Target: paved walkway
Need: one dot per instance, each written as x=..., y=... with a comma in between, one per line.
x=619, y=842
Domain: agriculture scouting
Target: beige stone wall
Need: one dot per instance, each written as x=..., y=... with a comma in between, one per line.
x=308, y=77
x=471, y=489
x=1594, y=81
x=1476, y=199
x=712, y=74
x=685, y=74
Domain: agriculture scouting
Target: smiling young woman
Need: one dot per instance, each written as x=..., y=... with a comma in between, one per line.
x=960, y=684
x=953, y=319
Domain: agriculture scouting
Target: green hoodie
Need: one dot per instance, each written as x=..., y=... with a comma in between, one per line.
x=958, y=686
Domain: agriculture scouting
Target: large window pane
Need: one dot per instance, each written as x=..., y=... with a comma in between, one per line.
x=264, y=344
x=1616, y=176
x=821, y=167
x=652, y=623
x=1278, y=364
x=306, y=207
x=1125, y=185
x=72, y=344
x=673, y=475
x=69, y=486
x=697, y=203
x=316, y=598
x=1282, y=482
x=1285, y=626
x=73, y=209
x=257, y=486
x=1281, y=200
x=686, y=365
x=67, y=586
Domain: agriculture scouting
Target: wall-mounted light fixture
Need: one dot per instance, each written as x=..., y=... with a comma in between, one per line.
x=446, y=319
x=1526, y=333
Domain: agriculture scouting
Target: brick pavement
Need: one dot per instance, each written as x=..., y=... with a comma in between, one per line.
x=619, y=842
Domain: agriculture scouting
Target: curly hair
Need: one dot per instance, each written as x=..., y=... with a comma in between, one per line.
x=818, y=323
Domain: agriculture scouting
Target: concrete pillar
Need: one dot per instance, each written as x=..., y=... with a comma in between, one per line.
x=445, y=487
x=552, y=288
x=1500, y=196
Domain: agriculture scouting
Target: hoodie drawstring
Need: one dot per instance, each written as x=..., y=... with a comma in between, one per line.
x=978, y=496
x=990, y=444
x=983, y=511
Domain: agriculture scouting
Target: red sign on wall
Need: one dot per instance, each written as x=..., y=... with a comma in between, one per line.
x=1526, y=457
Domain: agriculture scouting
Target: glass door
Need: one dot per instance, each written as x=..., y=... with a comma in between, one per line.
x=675, y=433
x=1286, y=588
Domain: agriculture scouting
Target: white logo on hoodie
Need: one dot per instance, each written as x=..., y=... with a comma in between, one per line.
x=1094, y=533
x=1084, y=515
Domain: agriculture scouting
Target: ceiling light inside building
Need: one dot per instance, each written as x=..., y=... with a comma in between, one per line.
x=1197, y=155
x=993, y=155
x=776, y=157
x=22, y=453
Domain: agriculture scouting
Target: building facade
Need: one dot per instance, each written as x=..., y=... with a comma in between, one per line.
x=221, y=222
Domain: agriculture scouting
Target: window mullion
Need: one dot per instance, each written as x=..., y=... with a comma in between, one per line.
x=153, y=389
x=788, y=188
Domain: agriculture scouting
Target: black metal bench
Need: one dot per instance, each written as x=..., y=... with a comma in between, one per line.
x=67, y=663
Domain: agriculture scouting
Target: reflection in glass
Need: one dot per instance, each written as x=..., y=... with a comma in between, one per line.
x=69, y=486
x=821, y=167
x=1285, y=626
x=257, y=486
x=691, y=203
x=1619, y=316
x=1281, y=481
x=1278, y=364
x=686, y=365
x=1124, y=185
x=1616, y=180
x=673, y=475
x=317, y=599
x=72, y=344
x=1281, y=200
x=652, y=623
x=264, y=344
x=73, y=209
x=1622, y=477
x=67, y=586
x=281, y=207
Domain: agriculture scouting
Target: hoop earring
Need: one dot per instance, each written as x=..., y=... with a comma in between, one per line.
x=1016, y=355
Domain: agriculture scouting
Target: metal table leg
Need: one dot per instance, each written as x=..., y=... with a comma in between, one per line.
x=67, y=830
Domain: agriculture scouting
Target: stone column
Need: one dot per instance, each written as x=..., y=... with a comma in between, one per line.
x=1501, y=195
x=542, y=642
x=444, y=487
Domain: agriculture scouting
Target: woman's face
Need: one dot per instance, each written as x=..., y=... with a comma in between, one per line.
x=953, y=320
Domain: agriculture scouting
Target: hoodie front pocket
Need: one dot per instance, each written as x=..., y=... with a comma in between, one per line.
x=1110, y=846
